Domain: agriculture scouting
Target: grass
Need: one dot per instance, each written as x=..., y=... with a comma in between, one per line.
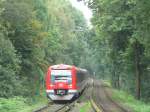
x=130, y=101
x=107, y=83
x=20, y=104
x=86, y=107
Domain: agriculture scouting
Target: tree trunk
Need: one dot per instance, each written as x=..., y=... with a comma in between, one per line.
x=114, y=75
x=118, y=81
x=137, y=70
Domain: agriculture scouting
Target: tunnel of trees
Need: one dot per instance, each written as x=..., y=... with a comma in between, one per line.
x=35, y=34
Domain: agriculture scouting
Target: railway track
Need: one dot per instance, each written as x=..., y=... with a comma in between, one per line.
x=102, y=102
x=100, y=99
x=55, y=107
x=43, y=107
x=52, y=107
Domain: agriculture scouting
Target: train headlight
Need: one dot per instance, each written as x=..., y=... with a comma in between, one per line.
x=51, y=85
x=70, y=86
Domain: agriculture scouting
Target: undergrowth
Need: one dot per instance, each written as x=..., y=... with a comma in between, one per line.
x=20, y=104
x=86, y=107
x=130, y=101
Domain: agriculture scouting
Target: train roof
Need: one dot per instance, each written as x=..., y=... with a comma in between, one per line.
x=61, y=66
x=64, y=66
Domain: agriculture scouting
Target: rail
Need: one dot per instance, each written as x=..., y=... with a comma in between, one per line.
x=99, y=107
x=43, y=107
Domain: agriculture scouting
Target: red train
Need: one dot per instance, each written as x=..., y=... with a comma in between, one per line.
x=63, y=82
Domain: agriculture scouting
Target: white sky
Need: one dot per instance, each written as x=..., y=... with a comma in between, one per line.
x=84, y=9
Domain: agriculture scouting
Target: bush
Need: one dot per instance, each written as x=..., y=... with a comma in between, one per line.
x=21, y=104
x=12, y=105
x=9, y=68
x=130, y=101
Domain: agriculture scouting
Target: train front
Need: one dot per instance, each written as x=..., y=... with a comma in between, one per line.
x=60, y=82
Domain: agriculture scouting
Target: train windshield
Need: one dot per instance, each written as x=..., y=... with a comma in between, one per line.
x=61, y=76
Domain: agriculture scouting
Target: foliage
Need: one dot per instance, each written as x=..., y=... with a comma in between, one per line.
x=20, y=104
x=12, y=105
x=130, y=101
x=86, y=107
x=121, y=43
x=34, y=35
x=9, y=68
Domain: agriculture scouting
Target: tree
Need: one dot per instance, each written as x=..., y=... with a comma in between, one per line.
x=124, y=26
x=9, y=69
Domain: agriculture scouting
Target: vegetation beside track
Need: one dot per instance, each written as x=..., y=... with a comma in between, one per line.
x=129, y=101
x=20, y=104
x=86, y=107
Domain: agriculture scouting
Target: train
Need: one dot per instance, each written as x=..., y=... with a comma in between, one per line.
x=65, y=82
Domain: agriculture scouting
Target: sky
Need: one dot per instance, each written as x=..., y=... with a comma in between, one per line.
x=84, y=9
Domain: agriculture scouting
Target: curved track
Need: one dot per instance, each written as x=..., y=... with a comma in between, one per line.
x=103, y=100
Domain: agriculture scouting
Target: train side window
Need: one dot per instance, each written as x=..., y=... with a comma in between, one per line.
x=80, y=77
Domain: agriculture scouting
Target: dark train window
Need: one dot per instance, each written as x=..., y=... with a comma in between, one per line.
x=80, y=76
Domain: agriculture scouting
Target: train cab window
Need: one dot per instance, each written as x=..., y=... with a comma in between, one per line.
x=52, y=79
x=61, y=76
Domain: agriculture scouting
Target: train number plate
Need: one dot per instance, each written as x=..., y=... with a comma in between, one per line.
x=60, y=92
